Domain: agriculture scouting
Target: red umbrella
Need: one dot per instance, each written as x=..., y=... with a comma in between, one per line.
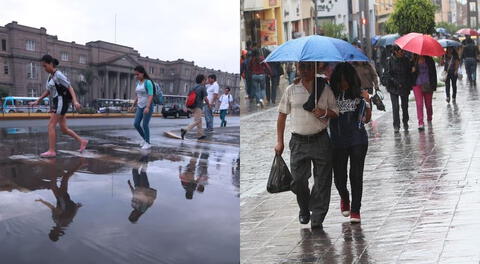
x=467, y=31
x=420, y=44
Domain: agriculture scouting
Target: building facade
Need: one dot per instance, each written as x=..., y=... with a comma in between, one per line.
x=263, y=23
x=298, y=18
x=97, y=69
x=383, y=9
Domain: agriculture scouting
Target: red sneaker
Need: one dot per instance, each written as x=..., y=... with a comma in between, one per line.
x=345, y=207
x=355, y=217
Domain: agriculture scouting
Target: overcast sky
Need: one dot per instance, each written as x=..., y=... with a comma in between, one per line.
x=204, y=31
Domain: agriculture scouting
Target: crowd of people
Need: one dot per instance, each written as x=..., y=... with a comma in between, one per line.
x=328, y=131
x=59, y=88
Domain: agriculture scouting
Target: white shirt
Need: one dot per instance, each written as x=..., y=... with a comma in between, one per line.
x=304, y=122
x=212, y=89
x=59, y=78
x=225, y=101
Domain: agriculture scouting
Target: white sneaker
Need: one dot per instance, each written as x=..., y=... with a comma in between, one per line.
x=142, y=143
x=146, y=146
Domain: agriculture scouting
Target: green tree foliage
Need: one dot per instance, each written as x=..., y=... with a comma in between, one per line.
x=412, y=16
x=333, y=30
x=451, y=28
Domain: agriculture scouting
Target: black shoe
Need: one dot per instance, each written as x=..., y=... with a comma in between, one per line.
x=316, y=224
x=304, y=218
x=405, y=126
x=202, y=137
x=396, y=129
x=182, y=133
x=448, y=99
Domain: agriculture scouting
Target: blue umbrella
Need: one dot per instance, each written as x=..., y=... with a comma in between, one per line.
x=387, y=40
x=441, y=30
x=449, y=43
x=316, y=48
x=375, y=39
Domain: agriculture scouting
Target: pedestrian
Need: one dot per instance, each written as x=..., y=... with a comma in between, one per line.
x=425, y=76
x=367, y=74
x=58, y=87
x=309, y=144
x=212, y=93
x=349, y=137
x=143, y=196
x=226, y=101
x=469, y=55
x=451, y=63
x=291, y=72
x=200, y=97
x=271, y=91
x=399, y=83
x=259, y=70
x=144, y=103
x=243, y=71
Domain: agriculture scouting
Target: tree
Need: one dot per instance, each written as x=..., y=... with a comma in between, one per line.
x=412, y=16
x=333, y=30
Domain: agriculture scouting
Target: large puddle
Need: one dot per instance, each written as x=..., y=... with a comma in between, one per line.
x=116, y=204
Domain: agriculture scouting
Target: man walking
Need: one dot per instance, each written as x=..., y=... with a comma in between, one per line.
x=469, y=56
x=212, y=92
x=225, y=104
x=196, y=108
x=399, y=84
x=309, y=144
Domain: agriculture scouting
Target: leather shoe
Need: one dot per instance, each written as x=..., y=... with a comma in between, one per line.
x=304, y=218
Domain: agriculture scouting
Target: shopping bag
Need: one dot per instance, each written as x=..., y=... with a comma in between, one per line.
x=280, y=177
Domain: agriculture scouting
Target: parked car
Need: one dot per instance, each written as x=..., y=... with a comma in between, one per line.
x=175, y=110
x=110, y=109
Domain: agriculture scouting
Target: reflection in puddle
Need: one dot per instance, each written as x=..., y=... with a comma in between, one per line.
x=116, y=204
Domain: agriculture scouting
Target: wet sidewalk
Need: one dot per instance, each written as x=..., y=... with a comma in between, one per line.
x=115, y=203
x=421, y=195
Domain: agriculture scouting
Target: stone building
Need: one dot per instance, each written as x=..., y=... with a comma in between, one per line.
x=97, y=69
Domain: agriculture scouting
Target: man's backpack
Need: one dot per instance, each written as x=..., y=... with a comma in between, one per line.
x=191, y=99
x=157, y=93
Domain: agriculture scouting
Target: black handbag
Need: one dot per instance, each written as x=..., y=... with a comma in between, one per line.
x=280, y=177
x=377, y=100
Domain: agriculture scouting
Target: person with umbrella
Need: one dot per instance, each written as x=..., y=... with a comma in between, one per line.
x=469, y=57
x=425, y=76
x=399, y=83
x=451, y=63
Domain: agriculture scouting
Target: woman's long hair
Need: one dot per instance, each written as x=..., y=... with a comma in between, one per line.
x=347, y=72
x=141, y=69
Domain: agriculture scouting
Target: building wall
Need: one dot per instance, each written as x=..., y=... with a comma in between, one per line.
x=110, y=65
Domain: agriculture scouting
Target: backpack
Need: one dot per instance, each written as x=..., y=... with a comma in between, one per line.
x=191, y=99
x=157, y=93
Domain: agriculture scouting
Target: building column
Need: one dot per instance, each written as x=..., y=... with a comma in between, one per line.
x=107, y=86
x=118, y=86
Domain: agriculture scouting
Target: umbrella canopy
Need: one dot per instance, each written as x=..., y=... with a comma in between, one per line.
x=449, y=43
x=375, y=39
x=420, y=44
x=467, y=31
x=441, y=30
x=387, y=40
x=316, y=48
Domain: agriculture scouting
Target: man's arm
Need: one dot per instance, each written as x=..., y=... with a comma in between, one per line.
x=281, y=121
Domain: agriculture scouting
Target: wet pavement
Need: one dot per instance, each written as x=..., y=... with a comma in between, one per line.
x=115, y=203
x=421, y=194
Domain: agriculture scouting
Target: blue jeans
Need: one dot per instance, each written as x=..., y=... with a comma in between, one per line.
x=208, y=112
x=258, y=83
x=139, y=115
x=223, y=114
x=471, y=68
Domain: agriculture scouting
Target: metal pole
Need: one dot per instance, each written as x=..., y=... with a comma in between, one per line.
x=367, y=28
x=316, y=17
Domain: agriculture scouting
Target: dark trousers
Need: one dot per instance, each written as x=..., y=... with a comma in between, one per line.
x=314, y=150
x=396, y=109
x=471, y=68
x=451, y=77
x=272, y=88
x=357, y=155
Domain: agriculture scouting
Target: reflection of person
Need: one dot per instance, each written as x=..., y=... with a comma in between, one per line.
x=66, y=209
x=142, y=195
x=58, y=86
x=187, y=177
x=310, y=143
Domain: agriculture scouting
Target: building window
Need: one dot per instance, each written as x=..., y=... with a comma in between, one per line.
x=185, y=89
x=64, y=56
x=30, y=45
x=151, y=70
x=5, y=68
x=162, y=70
x=171, y=88
x=32, y=71
x=83, y=59
x=4, y=45
x=81, y=77
x=187, y=72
